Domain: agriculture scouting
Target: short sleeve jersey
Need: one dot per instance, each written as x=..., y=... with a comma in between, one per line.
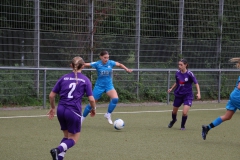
x=236, y=92
x=70, y=92
x=184, y=82
x=104, y=72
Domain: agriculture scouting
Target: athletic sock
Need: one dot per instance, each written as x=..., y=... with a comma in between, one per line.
x=215, y=123
x=184, y=119
x=61, y=155
x=174, y=117
x=65, y=145
x=87, y=110
x=112, y=105
x=64, y=139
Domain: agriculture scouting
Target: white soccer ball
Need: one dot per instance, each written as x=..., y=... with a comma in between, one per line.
x=118, y=124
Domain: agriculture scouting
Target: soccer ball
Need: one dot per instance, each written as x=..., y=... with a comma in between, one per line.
x=118, y=124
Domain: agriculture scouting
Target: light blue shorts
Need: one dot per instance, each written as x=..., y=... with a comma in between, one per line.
x=99, y=90
x=233, y=105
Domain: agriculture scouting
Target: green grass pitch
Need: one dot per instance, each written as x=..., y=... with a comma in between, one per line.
x=28, y=134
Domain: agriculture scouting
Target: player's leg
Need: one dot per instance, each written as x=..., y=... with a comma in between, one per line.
x=187, y=104
x=184, y=116
x=97, y=93
x=61, y=118
x=72, y=121
x=112, y=104
x=231, y=109
x=176, y=104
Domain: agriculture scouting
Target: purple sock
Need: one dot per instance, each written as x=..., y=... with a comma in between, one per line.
x=174, y=117
x=61, y=155
x=184, y=119
x=64, y=139
x=65, y=145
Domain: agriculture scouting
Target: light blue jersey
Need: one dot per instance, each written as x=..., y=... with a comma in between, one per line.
x=104, y=77
x=104, y=72
x=234, y=101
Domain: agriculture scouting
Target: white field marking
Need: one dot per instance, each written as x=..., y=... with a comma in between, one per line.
x=119, y=112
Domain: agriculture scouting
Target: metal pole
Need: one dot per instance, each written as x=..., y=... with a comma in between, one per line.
x=90, y=26
x=168, y=86
x=22, y=41
x=36, y=43
x=180, y=24
x=219, y=40
x=137, y=43
x=44, y=88
x=219, y=86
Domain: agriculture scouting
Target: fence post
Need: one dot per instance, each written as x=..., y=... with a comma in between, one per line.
x=168, y=86
x=219, y=38
x=44, y=88
x=90, y=26
x=36, y=43
x=180, y=24
x=137, y=43
x=219, y=86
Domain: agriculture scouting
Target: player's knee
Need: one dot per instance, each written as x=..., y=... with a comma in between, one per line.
x=114, y=100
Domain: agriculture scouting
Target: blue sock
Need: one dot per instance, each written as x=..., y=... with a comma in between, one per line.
x=87, y=110
x=112, y=105
x=215, y=123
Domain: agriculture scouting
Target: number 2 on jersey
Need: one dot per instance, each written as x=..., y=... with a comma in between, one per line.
x=72, y=86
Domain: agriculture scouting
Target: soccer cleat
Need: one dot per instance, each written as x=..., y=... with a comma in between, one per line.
x=204, y=132
x=54, y=153
x=182, y=129
x=108, y=117
x=171, y=123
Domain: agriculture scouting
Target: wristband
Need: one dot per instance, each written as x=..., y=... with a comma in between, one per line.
x=93, y=108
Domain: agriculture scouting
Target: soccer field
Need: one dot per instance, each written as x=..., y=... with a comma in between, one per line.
x=28, y=134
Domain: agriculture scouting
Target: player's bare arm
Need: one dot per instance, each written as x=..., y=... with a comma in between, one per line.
x=93, y=105
x=52, y=111
x=87, y=65
x=123, y=67
x=174, y=85
x=198, y=91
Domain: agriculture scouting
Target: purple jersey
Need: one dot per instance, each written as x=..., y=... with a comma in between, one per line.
x=71, y=93
x=184, y=83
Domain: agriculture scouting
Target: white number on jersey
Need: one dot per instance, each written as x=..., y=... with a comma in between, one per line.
x=72, y=86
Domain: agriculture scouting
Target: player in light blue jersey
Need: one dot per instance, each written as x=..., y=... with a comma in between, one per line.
x=104, y=83
x=232, y=105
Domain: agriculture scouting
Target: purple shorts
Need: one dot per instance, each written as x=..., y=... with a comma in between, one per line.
x=68, y=120
x=185, y=99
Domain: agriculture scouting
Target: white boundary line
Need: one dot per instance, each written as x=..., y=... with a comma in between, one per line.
x=161, y=111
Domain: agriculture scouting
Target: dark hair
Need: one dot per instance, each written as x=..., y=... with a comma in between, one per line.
x=184, y=61
x=103, y=53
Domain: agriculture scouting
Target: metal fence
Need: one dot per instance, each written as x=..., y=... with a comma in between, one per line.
x=19, y=83
x=142, y=34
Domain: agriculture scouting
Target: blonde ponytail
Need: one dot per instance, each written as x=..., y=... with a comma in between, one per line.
x=77, y=63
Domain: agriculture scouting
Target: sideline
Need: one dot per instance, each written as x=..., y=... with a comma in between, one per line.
x=135, y=112
x=140, y=104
